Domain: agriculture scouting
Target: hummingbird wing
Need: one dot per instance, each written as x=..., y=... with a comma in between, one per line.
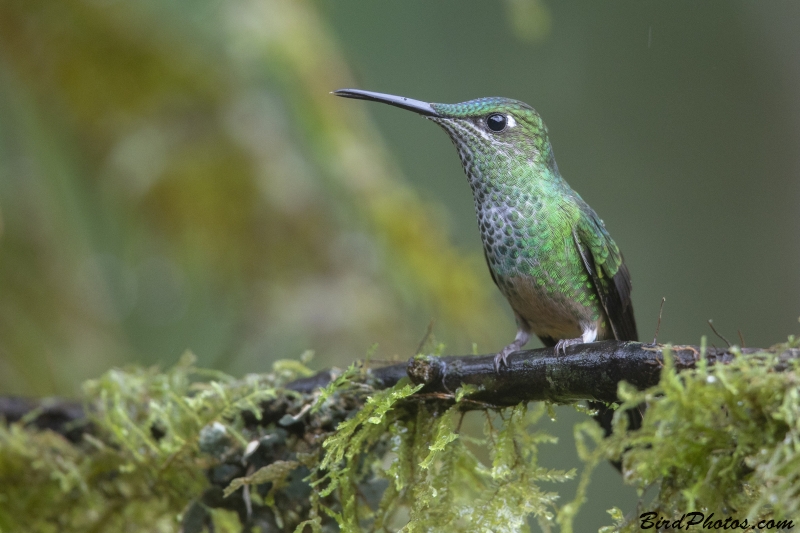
x=605, y=265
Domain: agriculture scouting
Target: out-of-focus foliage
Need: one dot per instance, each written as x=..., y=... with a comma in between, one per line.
x=530, y=19
x=176, y=176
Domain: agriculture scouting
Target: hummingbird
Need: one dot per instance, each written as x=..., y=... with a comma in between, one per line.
x=547, y=251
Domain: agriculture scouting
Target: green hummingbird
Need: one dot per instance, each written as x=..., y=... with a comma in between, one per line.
x=548, y=252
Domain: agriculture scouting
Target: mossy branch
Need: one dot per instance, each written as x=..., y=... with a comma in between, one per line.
x=586, y=372
x=350, y=449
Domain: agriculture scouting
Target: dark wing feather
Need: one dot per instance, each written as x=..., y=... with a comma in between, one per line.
x=626, y=321
x=606, y=267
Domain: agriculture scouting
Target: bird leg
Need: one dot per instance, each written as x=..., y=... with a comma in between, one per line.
x=519, y=341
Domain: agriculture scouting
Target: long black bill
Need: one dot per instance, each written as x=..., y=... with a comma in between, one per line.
x=402, y=102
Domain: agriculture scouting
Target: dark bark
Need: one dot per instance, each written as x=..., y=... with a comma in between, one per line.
x=62, y=416
x=585, y=372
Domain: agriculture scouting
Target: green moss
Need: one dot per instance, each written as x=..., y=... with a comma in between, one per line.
x=434, y=479
x=142, y=463
x=188, y=448
x=721, y=439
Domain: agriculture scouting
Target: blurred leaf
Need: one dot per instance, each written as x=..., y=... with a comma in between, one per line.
x=176, y=175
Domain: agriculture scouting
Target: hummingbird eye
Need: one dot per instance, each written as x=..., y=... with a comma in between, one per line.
x=497, y=122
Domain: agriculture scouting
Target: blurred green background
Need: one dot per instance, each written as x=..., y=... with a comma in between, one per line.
x=174, y=175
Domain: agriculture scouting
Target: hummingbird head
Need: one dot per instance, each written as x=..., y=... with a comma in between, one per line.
x=481, y=129
x=495, y=126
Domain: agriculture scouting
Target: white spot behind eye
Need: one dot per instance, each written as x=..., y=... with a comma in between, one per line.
x=511, y=122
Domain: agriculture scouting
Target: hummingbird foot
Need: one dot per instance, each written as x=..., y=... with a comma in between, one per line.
x=501, y=359
x=562, y=345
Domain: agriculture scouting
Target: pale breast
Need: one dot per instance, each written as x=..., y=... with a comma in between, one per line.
x=547, y=314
